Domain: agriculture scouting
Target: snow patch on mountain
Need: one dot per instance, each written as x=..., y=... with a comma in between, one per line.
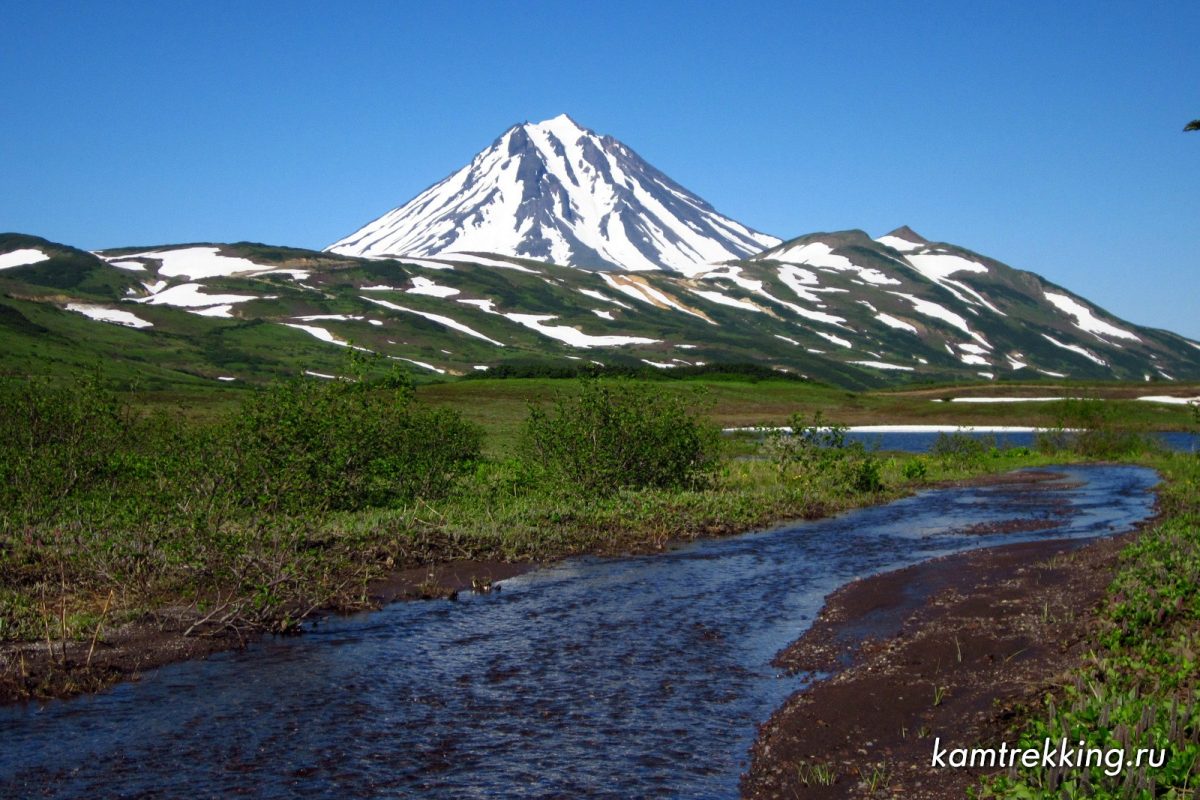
x=881, y=365
x=438, y=318
x=936, y=266
x=726, y=300
x=197, y=263
x=104, y=314
x=820, y=255
x=1083, y=351
x=1085, y=319
x=896, y=243
x=428, y=287
x=22, y=258
x=639, y=289
x=130, y=266
x=932, y=309
x=191, y=295
x=592, y=293
x=573, y=336
x=835, y=339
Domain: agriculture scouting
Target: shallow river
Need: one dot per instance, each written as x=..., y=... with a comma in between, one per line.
x=630, y=677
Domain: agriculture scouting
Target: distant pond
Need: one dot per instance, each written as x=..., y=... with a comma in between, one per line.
x=919, y=439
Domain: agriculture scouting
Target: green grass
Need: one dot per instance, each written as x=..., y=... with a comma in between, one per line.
x=1138, y=687
x=500, y=406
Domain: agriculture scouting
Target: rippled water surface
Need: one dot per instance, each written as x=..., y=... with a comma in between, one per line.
x=631, y=677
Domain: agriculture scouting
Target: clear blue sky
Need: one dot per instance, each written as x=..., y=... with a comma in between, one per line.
x=1048, y=135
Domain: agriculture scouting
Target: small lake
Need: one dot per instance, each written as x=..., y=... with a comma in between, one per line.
x=922, y=441
x=621, y=678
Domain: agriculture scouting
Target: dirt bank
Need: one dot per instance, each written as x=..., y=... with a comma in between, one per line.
x=950, y=648
x=41, y=670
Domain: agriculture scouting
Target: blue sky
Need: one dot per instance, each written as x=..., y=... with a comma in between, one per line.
x=1048, y=135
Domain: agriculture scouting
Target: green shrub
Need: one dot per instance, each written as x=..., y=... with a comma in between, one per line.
x=57, y=442
x=916, y=469
x=816, y=456
x=614, y=435
x=344, y=445
x=960, y=450
x=1090, y=428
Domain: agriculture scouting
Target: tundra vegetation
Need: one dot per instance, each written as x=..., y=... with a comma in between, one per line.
x=257, y=510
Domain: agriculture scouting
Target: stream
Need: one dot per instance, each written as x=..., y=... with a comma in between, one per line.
x=618, y=677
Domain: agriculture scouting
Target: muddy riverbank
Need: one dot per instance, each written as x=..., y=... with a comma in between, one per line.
x=948, y=649
x=55, y=669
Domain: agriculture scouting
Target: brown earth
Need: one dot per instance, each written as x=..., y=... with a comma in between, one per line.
x=41, y=670
x=951, y=649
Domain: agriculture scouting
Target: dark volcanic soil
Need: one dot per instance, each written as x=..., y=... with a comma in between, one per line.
x=950, y=648
x=36, y=670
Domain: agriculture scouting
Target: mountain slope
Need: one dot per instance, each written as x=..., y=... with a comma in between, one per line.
x=836, y=307
x=557, y=192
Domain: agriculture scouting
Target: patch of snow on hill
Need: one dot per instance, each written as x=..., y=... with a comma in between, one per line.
x=1088, y=354
x=573, y=336
x=190, y=295
x=109, y=315
x=213, y=311
x=893, y=322
x=198, y=263
x=734, y=274
x=639, y=289
x=881, y=365
x=896, y=243
x=819, y=254
x=428, y=287
x=421, y=364
x=131, y=266
x=936, y=266
x=1163, y=398
x=483, y=305
x=23, y=257
x=835, y=339
x=1085, y=320
x=931, y=309
x=726, y=300
x=471, y=258
x=318, y=332
x=592, y=293
x=438, y=318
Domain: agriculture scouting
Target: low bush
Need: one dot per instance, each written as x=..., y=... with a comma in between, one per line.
x=1090, y=428
x=817, y=456
x=57, y=444
x=613, y=435
x=962, y=451
x=341, y=445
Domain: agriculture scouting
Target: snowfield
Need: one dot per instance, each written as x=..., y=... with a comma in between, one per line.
x=1086, y=320
x=573, y=336
x=113, y=315
x=22, y=258
x=197, y=263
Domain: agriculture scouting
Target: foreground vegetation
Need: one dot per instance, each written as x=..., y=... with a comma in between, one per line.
x=256, y=513
x=1138, y=688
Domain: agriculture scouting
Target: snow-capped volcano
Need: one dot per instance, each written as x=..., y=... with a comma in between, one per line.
x=558, y=192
